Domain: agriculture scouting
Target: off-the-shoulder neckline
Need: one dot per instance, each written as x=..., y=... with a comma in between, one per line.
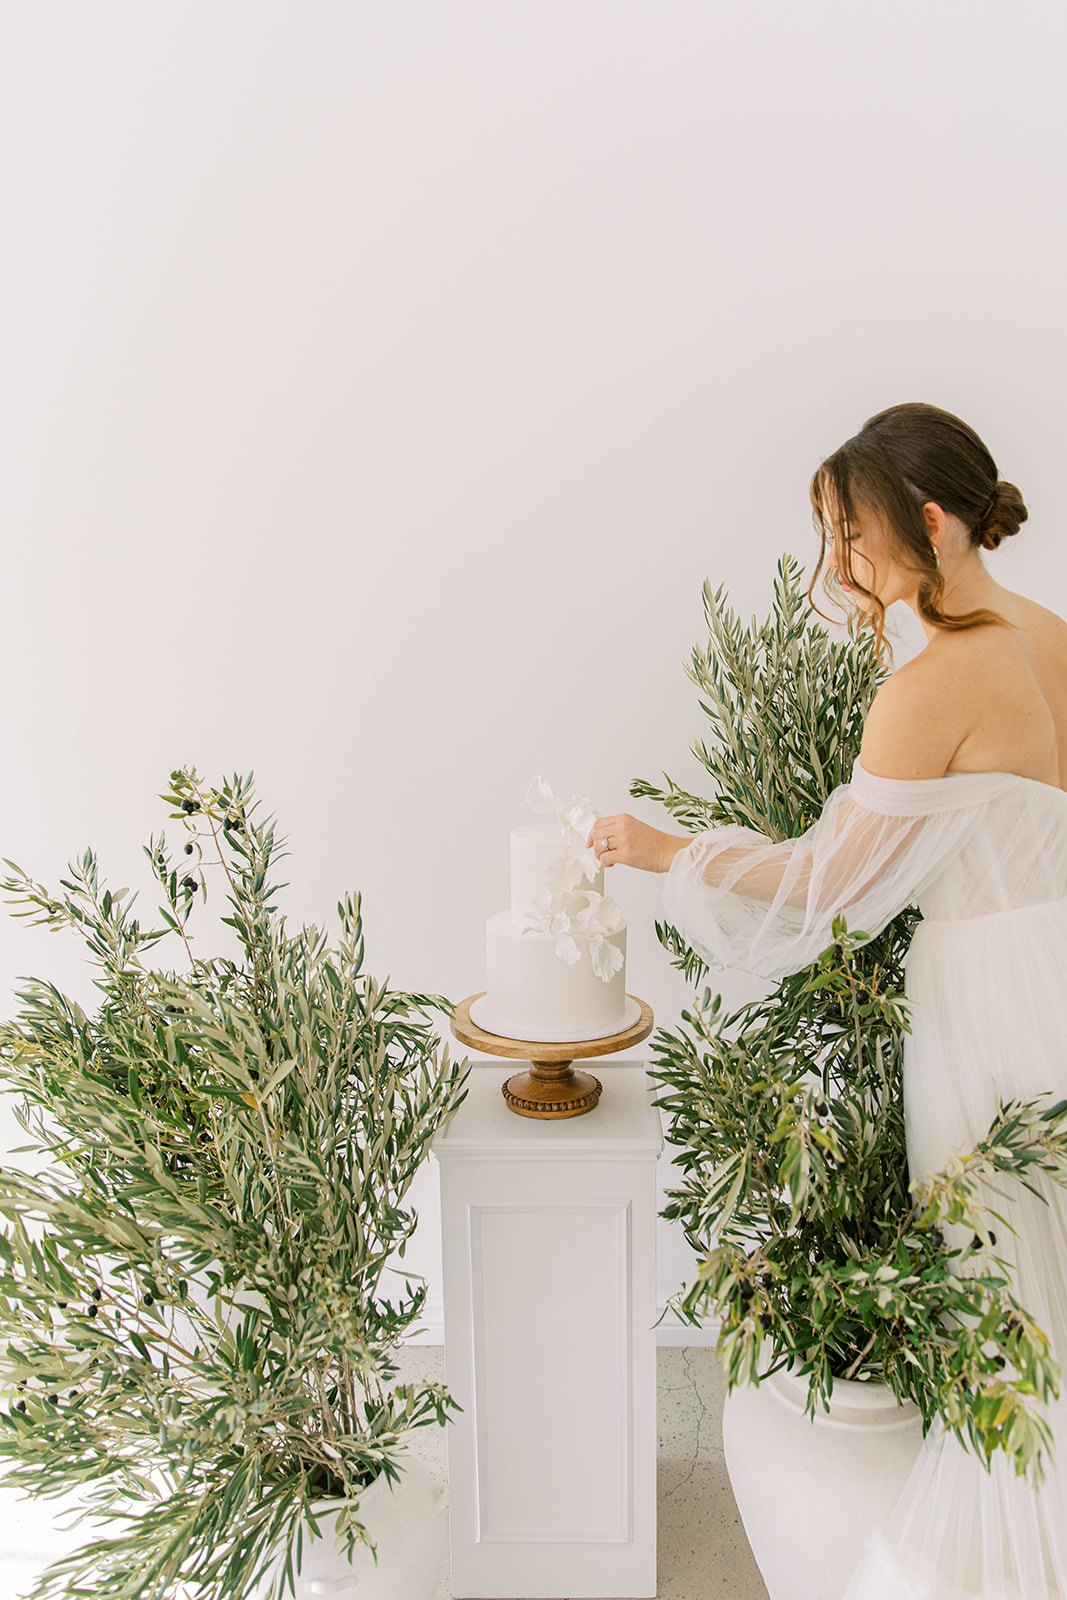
x=1018, y=776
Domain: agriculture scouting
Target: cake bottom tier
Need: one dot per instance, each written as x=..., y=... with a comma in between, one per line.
x=532, y=994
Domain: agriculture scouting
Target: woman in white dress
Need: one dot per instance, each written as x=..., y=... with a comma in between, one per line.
x=957, y=804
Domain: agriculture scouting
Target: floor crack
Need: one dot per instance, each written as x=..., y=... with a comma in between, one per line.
x=701, y=1414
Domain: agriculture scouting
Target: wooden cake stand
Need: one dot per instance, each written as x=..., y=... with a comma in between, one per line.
x=551, y=1087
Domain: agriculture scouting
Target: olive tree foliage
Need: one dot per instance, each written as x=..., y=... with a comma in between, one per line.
x=814, y=1248
x=199, y=1301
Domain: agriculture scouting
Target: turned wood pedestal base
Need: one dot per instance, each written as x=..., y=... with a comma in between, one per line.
x=551, y=1087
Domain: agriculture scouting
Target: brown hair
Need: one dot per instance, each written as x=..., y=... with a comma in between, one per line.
x=900, y=459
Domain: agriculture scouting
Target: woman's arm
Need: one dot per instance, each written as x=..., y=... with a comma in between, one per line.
x=912, y=731
x=756, y=866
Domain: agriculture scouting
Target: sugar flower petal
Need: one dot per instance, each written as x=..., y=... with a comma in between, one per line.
x=606, y=957
x=611, y=917
x=539, y=797
x=562, y=874
x=579, y=815
x=589, y=864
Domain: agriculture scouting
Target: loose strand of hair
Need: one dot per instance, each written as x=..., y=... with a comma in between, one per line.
x=931, y=588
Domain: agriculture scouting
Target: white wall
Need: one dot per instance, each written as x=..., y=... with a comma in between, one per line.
x=381, y=382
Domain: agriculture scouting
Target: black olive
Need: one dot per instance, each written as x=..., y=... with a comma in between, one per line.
x=53, y=1399
x=170, y=1009
x=62, y=1304
x=20, y=1405
x=992, y=1237
x=190, y=883
x=767, y=1280
x=937, y=1238
x=90, y=1311
x=821, y=1108
x=97, y=1295
x=72, y=1395
x=188, y=849
x=149, y=1300
x=765, y=1321
x=976, y=1243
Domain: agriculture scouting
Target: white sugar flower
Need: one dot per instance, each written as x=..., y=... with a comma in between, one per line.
x=577, y=820
x=539, y=797
x=548, y=914
x=562, y=874
x=610, y=914
x=606, y=957
x=600, y=914
x=564, y=905
x=579, y=815
x=588, y=862
x=535, y=918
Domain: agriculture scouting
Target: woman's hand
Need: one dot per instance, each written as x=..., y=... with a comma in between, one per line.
x=633, y=844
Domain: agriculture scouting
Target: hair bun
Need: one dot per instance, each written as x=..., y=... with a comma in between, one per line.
x=1003, y=517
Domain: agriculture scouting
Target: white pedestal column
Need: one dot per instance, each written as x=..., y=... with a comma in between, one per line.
x=548, y=1233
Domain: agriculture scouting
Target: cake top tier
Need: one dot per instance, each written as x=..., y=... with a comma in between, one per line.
x=533, y=849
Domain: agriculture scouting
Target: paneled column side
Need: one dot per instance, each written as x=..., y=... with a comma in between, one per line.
x=548, y=1233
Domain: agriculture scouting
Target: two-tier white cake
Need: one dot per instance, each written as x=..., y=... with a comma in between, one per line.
x=556, y=959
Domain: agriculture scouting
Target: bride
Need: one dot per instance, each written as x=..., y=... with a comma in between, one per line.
x=957, y=804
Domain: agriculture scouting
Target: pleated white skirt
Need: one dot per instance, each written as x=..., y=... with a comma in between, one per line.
x=989, y=1023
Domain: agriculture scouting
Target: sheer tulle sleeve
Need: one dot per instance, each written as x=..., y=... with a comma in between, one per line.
x=741, y=900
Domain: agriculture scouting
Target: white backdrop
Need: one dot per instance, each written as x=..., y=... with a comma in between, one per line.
x=380, y=384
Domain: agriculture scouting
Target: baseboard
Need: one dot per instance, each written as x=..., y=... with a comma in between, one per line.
x=672, y=1331
x=430, y=1328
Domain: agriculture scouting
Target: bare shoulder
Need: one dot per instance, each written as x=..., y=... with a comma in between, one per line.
x=988, y=678
x=1041, y=614
x=1046, y=628
x=915, y=721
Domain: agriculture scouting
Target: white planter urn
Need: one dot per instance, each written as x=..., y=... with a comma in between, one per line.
x=408, y=1525
x=813, y=1492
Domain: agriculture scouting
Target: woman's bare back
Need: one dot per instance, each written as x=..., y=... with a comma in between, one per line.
x=1010, y=685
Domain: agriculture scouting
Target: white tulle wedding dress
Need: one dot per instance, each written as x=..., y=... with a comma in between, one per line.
x=984, y=857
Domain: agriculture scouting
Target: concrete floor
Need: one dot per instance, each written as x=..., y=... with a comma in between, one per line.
x=703, y=1552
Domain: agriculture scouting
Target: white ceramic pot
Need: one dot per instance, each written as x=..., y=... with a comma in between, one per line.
x=409, y=1528
x=812, y=1492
